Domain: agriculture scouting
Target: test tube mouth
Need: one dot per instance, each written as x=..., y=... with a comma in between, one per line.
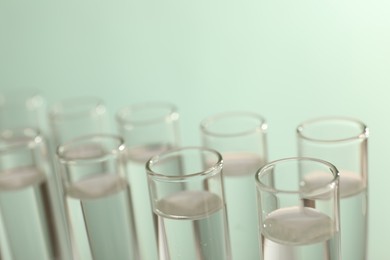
x=235, y=123
x=147, y=113
x=28, y=97
x=12, y=139
x=266, y=172
x=90, y=149
x=76, y=107
x=208, y=168
x=332, y=129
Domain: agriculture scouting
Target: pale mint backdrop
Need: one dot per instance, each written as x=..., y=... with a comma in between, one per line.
x=289, y=60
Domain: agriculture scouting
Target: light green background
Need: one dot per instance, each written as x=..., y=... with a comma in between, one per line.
x=287, y=60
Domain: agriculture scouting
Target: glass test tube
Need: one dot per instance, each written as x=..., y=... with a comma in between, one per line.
x=241, y=139
x=32, y=226
x=343, y=142
x=97, y=196
x=188, y=203
x=298, y=208
x=148, y=129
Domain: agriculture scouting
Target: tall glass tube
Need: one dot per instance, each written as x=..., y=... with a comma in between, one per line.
x=97, y=195
x=148, y=129
x=26, y=109
x=241, y=139
x=299, y=209
x=343, y=142
x=75, y=117
x=21, y=108
x=188, y=203
x=30, y=213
